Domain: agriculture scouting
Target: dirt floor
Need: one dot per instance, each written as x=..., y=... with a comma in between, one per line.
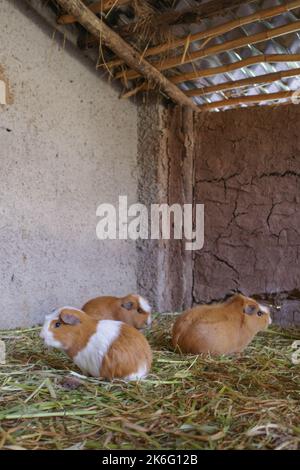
x=188, y=402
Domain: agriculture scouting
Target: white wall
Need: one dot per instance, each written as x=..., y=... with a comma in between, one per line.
x=72, y=145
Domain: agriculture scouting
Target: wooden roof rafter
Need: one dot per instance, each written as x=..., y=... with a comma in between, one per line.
x=231, y=85
x=103, y=6
x=217, y=49
x=216, y=30
x=248, y=99
x=131, y=57
x=253, y=60
x=188, y=15
x=151, y=73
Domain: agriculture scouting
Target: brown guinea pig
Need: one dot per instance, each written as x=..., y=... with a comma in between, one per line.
x=132, y=309
x=105, y=348
x=221, y=328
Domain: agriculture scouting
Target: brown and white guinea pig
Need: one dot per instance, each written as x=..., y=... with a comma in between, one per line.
x=132, y=309
x=106, y=348
x=220, y=328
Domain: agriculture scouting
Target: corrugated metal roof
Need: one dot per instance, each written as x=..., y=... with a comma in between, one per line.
x=289, y=44
x=283, y=44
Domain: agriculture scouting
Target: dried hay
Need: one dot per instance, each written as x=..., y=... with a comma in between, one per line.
x=146, y=30
x=188, y=402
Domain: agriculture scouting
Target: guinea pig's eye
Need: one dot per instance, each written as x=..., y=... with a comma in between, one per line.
x=260, y=313
x=57, y=324
x=140, y=310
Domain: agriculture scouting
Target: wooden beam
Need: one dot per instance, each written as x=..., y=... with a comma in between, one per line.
x=253, y=60
x=224, y=47
x=260, y=79
x=246, y=100
x=98, y=7
x=188, y=15
x=259, y=59
x=193, y=14
x=217, y=30
x=132, y=58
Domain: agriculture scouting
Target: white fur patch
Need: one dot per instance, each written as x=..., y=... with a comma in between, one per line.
x=144, y=304
x=266, y=310
x=141, y=373
x=90, y=358
x=46, y=334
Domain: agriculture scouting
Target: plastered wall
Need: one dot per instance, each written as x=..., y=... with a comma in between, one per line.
x=67, y=144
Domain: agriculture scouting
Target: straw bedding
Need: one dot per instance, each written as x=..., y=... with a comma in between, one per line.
x=188, y=402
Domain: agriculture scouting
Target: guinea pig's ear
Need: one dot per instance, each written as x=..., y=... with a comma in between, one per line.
x=69, y=318
x=127, y=305
x=250, y=309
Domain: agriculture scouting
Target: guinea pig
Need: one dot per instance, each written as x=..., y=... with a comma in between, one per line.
x=106, y=348
x=222, y=328
x=132, y=309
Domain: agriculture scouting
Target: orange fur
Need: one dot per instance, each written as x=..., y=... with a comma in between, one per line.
x=129, y=352
x=76, y=337
x=221, y=328
x=110, y=308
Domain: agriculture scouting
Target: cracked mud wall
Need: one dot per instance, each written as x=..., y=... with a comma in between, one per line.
x=244, y=165
x=247, y=165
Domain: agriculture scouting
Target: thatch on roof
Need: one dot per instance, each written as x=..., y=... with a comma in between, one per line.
x=232, y=41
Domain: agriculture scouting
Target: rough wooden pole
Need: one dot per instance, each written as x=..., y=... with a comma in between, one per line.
x=233, y=85
x=193, y=14
x=132, y=58
x=249, y=99
x=216, y=30
x=223, y=47
x=253, y=60
x=98, y=7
